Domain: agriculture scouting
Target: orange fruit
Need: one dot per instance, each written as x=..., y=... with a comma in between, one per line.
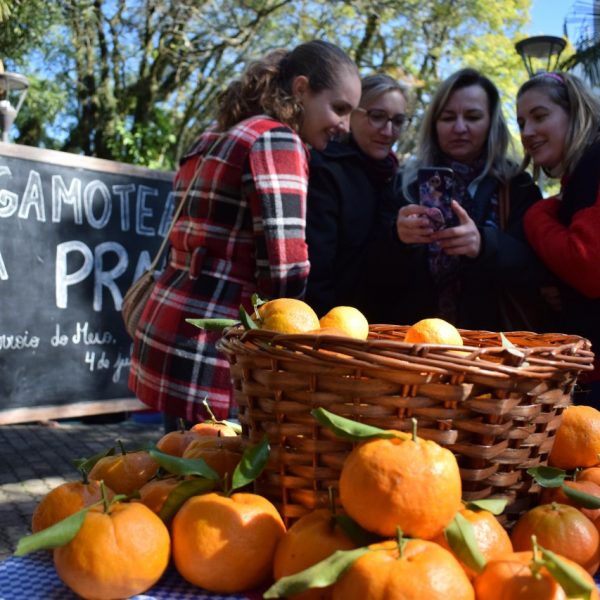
x=328, y=331
x=348, y=319
x=215, y=428
x=590, y=474
x=492, y=539
x=222, y=454
x=423, y=570
x=550, y=495
x=155, y=492
x=115, y=555
x=510, y=578
x=287, y=315
x=175, y=442
x=311, y=539
x=433, y=331
x=65, y=500
x=226, y=544
x=577, y=440
x=125, y=473
x=401, y=482
x=562, y=529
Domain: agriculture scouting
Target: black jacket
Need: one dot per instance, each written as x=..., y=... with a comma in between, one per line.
x=346, y=194
x=499, y=290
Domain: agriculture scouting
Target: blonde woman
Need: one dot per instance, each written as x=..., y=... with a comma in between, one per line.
x=559, y=121
x=479, y=273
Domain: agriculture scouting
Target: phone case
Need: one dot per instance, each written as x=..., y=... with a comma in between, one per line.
x=435, y=191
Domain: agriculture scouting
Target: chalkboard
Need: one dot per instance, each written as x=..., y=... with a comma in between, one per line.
x=75, y=232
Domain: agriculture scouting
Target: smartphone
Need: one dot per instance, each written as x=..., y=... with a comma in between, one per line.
x=436, y=186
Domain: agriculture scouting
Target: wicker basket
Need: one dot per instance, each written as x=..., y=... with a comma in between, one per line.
x=495, y=407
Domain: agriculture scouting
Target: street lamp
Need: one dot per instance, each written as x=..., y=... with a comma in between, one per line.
x=540, y=47
x=13, y=89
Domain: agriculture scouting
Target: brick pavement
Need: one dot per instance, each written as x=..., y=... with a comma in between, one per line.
x=34, y=458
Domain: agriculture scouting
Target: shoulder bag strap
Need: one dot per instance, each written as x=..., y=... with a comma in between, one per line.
x=179, y=210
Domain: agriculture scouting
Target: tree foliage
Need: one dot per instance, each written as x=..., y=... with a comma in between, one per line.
x=137, y=80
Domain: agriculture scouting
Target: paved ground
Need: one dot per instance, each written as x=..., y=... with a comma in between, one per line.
x=34, y=458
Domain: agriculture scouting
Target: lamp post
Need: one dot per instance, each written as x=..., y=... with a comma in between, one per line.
x=13, y=89
x=540, y=47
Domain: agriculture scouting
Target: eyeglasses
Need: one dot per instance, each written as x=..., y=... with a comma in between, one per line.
x=379, y=119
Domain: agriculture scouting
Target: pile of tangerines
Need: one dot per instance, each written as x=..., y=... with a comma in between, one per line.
x=398, y=529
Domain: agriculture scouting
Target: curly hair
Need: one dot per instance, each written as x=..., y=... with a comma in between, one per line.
x=265, y=87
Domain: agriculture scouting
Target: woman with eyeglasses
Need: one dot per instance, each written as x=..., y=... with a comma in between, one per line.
x=348, y=183
x=478, y=271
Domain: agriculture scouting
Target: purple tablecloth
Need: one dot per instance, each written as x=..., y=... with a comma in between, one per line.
x=33, y=577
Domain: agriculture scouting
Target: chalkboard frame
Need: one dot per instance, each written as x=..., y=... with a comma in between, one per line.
x=91, y=406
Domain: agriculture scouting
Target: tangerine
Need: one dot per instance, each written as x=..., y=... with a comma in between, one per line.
x=65, y=500
x=311, y=539
x=125, y=473
x=562, y=529
x=287, y=315
x=414, y=484
x=175, y=442
x=115, y=554
x=347, y=319
x=422, y=570
x=433, y=331
x=491, y=537
x=155, y=492
x=222, y=454
x=577, y=439
x=510, y=578
x=226, y=544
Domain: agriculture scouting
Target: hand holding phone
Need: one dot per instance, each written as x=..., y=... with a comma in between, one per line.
x=436, y=186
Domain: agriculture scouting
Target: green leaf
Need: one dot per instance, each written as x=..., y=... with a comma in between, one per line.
x=59, y=534
x=183, y=466
x=547, y=477
x=494, y=505
x=584, y=500
x=355, y=532
x=247, y=321
x=257, y=301
x=321, y=575
x=352, y=430
x=253, y=461
x=571, y=581
x=212, y=324
x=235, y=426
x=85, y=465
x=182, y=492
x=461, y=538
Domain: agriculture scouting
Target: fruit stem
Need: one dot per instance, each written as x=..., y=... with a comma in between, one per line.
x=535, y=564
x=401, y=542
x=84, y=476
x=105, y=500
x=332, y=507
x=414, y=429
x=122, y=447
x=181, y=424
x=208, y=410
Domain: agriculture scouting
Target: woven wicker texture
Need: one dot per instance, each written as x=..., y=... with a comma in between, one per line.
x=497, y=408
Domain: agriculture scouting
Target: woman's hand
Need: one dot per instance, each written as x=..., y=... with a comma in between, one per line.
x=413, y=225
x=463, y=239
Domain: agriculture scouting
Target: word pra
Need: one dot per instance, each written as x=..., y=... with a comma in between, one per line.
x=76, y=262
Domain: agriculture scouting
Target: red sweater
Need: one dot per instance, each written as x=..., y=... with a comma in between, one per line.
x=565, y=233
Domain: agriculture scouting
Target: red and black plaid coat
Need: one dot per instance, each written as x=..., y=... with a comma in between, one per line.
x=241, y=231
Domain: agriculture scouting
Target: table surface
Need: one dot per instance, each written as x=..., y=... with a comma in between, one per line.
x=34, y=577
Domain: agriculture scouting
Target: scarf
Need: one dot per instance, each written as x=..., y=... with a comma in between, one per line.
x=443, y=268
x=378, y=171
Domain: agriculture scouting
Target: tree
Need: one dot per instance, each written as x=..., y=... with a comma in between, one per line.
x=137, y=80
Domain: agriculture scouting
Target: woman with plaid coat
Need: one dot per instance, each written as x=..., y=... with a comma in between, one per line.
x=242, y=228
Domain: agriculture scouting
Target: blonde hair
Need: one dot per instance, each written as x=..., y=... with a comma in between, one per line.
x=580, y=104
x=265, y=87
x=498, y=139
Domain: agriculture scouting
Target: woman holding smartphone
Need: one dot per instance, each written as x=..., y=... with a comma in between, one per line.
x=471, y=270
